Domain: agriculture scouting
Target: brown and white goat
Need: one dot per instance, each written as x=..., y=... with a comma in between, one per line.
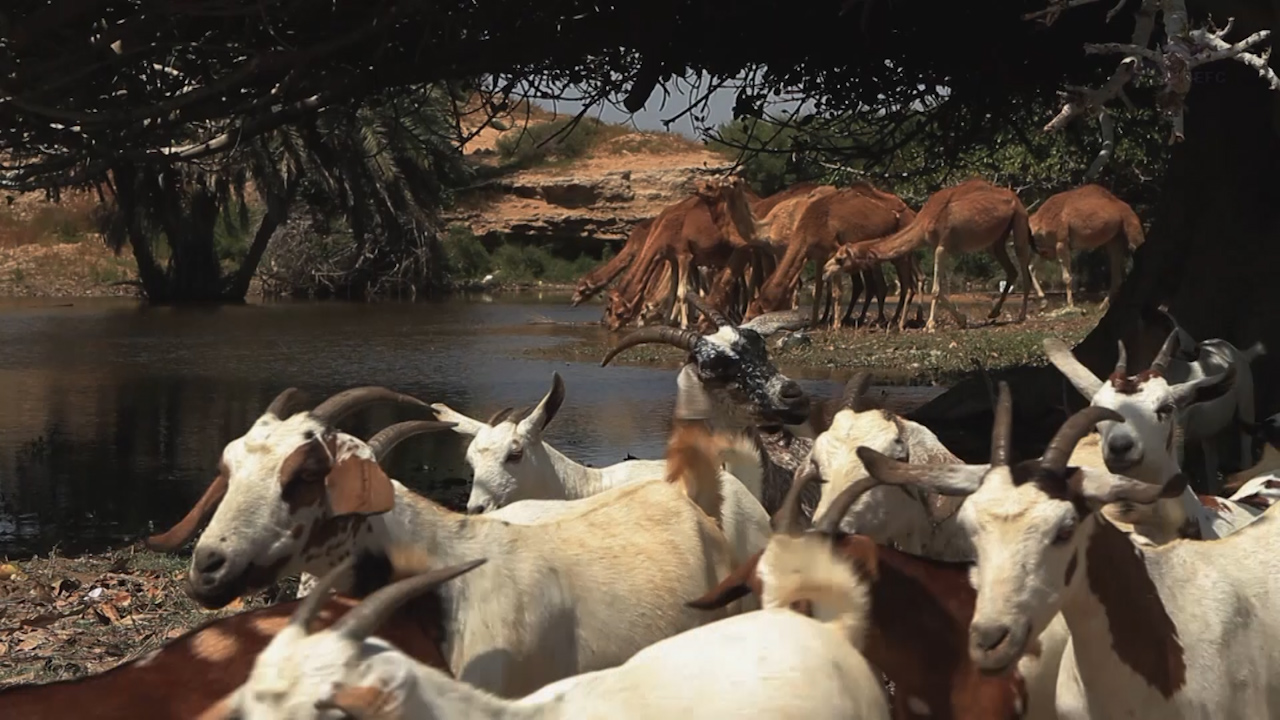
x=188, y=676
x=1187, y=629
x=555, y=599
x=920, y=612
x=770, y=663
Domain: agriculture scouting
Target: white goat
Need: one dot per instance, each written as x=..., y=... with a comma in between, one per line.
x=1143, y=447
x=770, y=663
x=1184, y=630
x=518, y=471
x=554, y=600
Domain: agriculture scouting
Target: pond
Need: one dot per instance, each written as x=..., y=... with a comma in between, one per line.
x=114, y=415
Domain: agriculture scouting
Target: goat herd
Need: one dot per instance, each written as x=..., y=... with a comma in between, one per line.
x=745, y=254
x=787, y=559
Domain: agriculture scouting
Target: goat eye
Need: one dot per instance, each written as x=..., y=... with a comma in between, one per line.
x=515, y=455
x=1165, y=410
x=1063, y=536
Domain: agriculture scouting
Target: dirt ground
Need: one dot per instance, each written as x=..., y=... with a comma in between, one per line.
x=66, y=617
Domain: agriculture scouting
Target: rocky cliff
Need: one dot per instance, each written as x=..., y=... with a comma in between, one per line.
x=596, y=197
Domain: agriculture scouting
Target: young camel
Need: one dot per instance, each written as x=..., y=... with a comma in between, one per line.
x=974, y=215
x=595, y=280
x=861, y=258
x=1086, y=218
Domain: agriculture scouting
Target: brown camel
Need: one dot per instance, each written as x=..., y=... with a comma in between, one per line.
x=684, y=237
x=972, y=216
x=1086, y=218
x=603, y=274
x=847, y=215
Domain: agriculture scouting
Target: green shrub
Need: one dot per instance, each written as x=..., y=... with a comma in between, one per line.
x=531, y=145
x=464, y=255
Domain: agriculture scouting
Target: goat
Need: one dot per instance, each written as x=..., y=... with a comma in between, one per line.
x=913, y=521
x=1259, y=486
x=555, y=599
x=1189, y=628
x=1143, y=447
x=187, y=677
x=514, y=468
x=920, y=613
x=769, y=663
x=1225, y=419
x=749, y=394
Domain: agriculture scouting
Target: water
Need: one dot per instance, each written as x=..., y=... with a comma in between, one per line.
x=112, y=416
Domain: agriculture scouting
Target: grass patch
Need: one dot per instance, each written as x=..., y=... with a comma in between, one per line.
x=549, y=143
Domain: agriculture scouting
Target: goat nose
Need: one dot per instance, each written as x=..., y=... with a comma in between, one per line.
x=1120, y=445
x=987, y=637
x=208, y=561
x=475, y=510
x=791, y=390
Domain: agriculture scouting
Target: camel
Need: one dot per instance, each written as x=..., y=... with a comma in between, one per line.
x=684, y=237
x=972, y=216
x=868, y=256
x=847, y=215
x=603, y=274
x=1086, y=218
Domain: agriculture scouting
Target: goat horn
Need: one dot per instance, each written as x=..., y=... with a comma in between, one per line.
x=829, y=524
x=1002, y=428
x=855, y=391
x=788, y=516
x=335, y=408
x=709, y=312
x=179, y=534
x=1122, y=360
x=1161, y=363
x=1059, y=450
x=390, y=436
x=311, y=604
x=681, y=338
x=286, y=400
x=376, y=609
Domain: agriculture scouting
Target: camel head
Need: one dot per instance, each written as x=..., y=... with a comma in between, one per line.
x=849, y=259
x=618, y=311
x=732, y=365
x=581, y=292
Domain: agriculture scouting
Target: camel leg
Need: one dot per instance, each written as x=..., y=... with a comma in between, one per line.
x=902, y=296
x=1116, y=257
x=1021, y=234
x=834, y=289
x=876, y=282
x=940, y=295
x=856, y=287
x=818, y=297
x=683, y=268
x=1001, y=254
x=1035, y=285
x=1064, y=257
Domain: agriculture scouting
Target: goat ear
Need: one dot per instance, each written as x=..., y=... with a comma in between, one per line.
x=361, y=702
x=546, y=410
x=358, y=486
x=464, y=426
x=863, y=552
x=739, y=584
x=1205, y=389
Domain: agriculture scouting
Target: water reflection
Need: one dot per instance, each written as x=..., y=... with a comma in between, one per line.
x=113, y=416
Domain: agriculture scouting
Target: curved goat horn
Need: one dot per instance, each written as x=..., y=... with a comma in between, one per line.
x=1161, y=363
x=830, y=521
x=390, y=436
x=1122, y=361
x=788, y=517
x=288, y=398
x=311, y=604
x=707, y=311
x=178, y=535
x=1059, y=449
x=1002, y=428
x=376, y=609
x=855, y=391
x=683, y=339
x=338, y=406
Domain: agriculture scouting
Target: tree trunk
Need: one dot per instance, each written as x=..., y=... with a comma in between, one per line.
x=1213, y=255
x=278, y=205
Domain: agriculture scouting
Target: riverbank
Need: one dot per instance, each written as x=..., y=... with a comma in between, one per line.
x=912, y=357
